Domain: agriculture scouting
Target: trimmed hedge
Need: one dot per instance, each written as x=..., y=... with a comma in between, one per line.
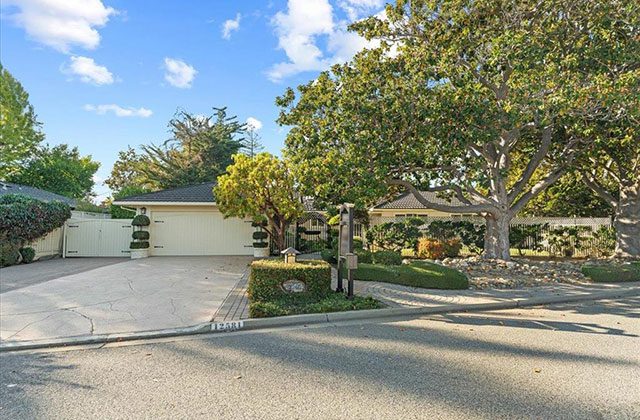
x=28, y=254
x=141, y=220
x=139, y=245
x=267, y=276
x=387, y=258
x=293, y=305
x=140, y=234
x=612, y=273
x=364, y=256
x=260, y=235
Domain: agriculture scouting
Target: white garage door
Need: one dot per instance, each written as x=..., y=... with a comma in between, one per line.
x=199, y=233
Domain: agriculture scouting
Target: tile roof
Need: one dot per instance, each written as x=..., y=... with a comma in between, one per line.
x=198, y=193
x=408, y=201
x=33, y=192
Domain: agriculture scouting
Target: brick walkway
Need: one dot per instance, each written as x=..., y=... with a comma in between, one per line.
x=236, y=304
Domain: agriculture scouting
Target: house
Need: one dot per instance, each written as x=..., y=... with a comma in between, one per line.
x=187, y=221
x=35, y=193
x=406, y=205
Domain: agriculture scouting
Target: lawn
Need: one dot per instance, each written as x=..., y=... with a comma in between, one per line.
x=612, y=273
x=417, y=274
x=295, y=304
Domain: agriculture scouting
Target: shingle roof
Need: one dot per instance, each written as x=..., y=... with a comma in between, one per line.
x=33, y=192
x=198, y=193
x=408, y=201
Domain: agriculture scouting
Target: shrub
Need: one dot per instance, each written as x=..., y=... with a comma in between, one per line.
x=9, y=254
x=260, y=244
x=387, y=258
x=563, y=241
x=139, y=245
x=141, y=220
x=28, y=254
x=140, y=234
x=452, y=248
x=260, y=235
x=357, y=243
x=416, y=274
x=294, y=305
x=471, y=235
x=267, y=276
x=395, y=236
x=364, y=256
x=23, y=219
x=431, y=248
x=329, y=255
x=604, y=241
x=524, y=237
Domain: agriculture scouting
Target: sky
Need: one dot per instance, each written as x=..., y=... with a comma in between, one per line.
x=106, y=74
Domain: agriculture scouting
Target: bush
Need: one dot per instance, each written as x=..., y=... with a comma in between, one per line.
x=612, y=273
x=28, y=254
x=140, y=234
x=141, y=220
x=23, y=219
x=438, y=249
x=295, y=305
x=364, y=256
x=9, y=254
x=563, y=241
x=604, y=241
x=260, y=235
x=139, y=245
x=329, y=255
x=267, y=277
x=524, y=237
x=387, y=258
x=395, y=236
x=471, y=235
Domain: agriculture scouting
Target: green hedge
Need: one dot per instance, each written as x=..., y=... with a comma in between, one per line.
x=139, y=245
x=267, y=276
x=23, y=219
x=9, y=254
x=612, y=273
x=28, y=254
x=141, y=220
x=387, y=258
x=140, y=234
x=293, y=305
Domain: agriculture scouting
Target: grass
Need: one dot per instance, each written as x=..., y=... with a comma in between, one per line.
x=297, y=304
x=417, y=274
x=612, y=273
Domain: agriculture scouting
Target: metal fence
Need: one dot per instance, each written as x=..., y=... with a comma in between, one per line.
x=538, y=236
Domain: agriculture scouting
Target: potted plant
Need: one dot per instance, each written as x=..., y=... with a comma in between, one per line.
x=260, y=246
x=140, y=245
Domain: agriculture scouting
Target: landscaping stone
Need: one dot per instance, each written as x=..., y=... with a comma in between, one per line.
x=520, y=272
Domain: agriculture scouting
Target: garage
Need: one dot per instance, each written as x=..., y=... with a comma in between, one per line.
x=199, y=233
x=187, y=221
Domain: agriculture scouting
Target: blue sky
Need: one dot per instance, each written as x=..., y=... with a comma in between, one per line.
x=104, y=74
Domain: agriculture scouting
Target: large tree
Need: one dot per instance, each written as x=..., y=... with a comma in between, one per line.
x=20, y=131
x=59, y=169
x=260, y=187
x=200, y=149
x=484, y=101
x=125, y=172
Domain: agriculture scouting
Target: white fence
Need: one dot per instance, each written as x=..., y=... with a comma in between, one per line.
x=49, y=245
x=75, y=214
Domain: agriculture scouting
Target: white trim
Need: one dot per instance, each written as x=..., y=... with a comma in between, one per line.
x=162, y=203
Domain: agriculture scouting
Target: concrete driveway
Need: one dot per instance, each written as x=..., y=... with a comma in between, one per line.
x=127, y=296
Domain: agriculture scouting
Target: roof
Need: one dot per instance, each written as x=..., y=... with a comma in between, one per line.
x=408, y=201
x=33, y=192
x=198, y=193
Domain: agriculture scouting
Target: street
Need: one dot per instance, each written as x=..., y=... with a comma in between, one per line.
x=563, y=361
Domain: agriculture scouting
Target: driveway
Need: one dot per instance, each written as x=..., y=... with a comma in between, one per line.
x=127, y=296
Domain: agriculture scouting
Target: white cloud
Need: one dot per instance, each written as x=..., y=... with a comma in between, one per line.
x=356, y=9
x=254, y=124
x=88, y=71
x=119, y=111
x=301, y=27
x=178, y=73
x=229, y=26
x=62, y=24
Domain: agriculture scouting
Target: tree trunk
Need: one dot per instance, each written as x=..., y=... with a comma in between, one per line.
x=496, y=237
x=627, y=221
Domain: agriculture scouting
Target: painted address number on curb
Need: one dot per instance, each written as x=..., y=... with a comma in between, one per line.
x=227, y=326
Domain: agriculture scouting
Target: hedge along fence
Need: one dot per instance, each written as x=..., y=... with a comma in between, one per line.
x=542, y=236
x=269, y=279
x=23, y=220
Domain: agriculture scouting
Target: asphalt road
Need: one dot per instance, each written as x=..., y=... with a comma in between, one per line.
x=577, y=361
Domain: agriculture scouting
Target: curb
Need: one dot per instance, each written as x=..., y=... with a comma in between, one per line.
x=306, y=319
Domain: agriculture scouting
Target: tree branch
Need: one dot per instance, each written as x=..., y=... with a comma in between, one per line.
x=533, y=164
x=598, y=189
x=473, y=208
